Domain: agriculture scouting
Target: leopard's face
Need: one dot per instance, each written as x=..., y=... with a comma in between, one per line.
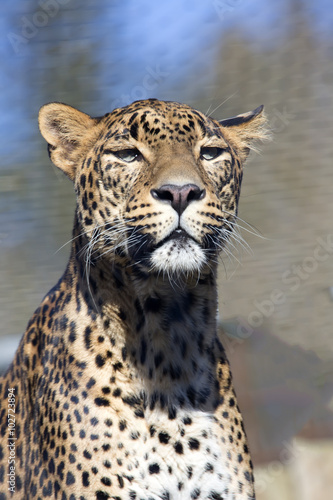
x=157, y=182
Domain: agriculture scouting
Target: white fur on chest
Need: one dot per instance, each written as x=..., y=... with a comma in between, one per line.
x=176, y=459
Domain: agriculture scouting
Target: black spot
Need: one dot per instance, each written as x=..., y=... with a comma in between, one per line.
x=70, y=479
x=175, y=372
x=193, y=444
x=78, y=418
x=152, y=304
x=102, y=402
x=195, y=494
x=209, y=467
x=99, y=360
x=163, y=437
x=51, y=466
x=106, y=481
x=122, y=425
x=83, y=181
x=143, y=353
x=138, y=307
x=120, y=481
x=134, y=131
x=91, y=382
x=158, y=359
x=215, y=496
x=85, y=479
x=139, y=413
x=174, y=313
x=154, y=468
x=179, y=448
x=134, y=115
x=72, y=334
x=172, y=412
x=132, y=400
x=247, y=476
x=87, y=337
x=101, y=495
x=191, y=394
x=117, y=366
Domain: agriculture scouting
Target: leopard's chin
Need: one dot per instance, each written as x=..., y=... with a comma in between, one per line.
x=178, y=255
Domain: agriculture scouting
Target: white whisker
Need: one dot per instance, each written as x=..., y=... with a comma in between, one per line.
x=221, y=104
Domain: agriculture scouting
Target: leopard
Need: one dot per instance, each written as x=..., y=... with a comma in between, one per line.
x=120, y=387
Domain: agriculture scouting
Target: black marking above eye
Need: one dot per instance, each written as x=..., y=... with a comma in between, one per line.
x=210, y=153
x=129, y=155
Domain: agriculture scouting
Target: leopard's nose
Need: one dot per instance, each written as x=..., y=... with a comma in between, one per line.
x=179, y=197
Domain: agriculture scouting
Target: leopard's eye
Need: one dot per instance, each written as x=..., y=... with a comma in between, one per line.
x=128, y=155
x=210, y=153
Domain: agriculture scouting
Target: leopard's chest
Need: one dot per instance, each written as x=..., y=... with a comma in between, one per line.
x=156, y=457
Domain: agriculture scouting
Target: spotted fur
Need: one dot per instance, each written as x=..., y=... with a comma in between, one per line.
x=122, y=388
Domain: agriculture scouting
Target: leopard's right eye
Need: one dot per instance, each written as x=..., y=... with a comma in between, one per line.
x=210, y=153
x=128, y=155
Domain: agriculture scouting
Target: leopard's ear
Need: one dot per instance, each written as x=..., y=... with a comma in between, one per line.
x=243, y=130
x=65, y=129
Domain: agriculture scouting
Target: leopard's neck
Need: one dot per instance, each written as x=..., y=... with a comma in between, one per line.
x=146, y=327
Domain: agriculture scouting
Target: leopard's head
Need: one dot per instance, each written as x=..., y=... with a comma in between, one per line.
x=157, y=183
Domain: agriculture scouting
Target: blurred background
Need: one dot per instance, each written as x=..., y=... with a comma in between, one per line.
x=223, y=57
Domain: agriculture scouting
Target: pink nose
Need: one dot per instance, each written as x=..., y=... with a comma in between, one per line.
x=179, y=197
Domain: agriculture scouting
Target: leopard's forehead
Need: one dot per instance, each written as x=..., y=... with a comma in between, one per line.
x=162, y=120
x=161, y=109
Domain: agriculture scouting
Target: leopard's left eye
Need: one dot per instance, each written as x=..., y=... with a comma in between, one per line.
x=210, y=153
x=128, y=155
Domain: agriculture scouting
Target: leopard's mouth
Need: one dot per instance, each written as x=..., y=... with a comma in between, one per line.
x=179, y=236
x=177, y=252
